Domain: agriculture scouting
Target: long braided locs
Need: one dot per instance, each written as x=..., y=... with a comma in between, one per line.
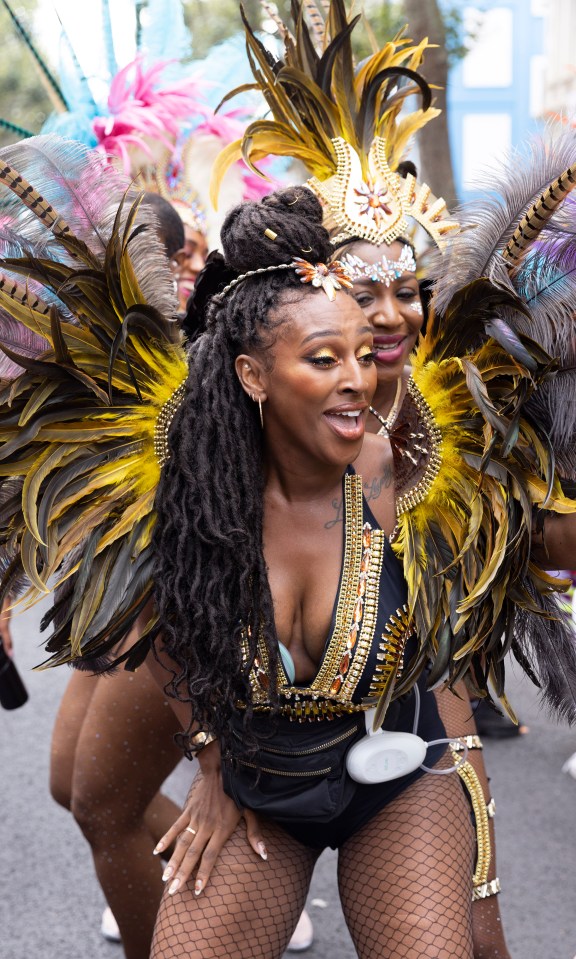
x=210, y=573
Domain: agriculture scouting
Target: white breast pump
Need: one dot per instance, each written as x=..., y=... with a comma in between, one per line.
x=382, y=755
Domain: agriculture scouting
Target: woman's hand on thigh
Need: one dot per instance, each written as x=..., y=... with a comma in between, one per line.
x=207, y=822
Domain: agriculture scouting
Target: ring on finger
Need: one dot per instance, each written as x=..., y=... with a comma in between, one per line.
x=190, y=830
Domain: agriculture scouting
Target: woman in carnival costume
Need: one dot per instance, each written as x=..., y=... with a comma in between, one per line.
x=160, y=131
x=248, y=546
x=381, y=262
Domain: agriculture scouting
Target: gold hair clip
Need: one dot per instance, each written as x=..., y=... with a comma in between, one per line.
x=270, y=234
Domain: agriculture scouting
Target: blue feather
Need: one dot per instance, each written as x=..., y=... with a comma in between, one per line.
x=73, y=80
x=108, y=40
x=165, y=36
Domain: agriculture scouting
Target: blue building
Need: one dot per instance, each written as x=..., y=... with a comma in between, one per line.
x=495, y=94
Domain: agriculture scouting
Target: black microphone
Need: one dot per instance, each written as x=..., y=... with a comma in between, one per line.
x=13, y=692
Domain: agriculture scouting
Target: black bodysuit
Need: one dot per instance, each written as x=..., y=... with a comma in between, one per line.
x=370, y=630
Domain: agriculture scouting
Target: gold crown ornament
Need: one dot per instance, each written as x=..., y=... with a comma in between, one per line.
x=347, y=123
x=377, y=207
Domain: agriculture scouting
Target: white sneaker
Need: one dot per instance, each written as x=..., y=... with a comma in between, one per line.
x=109, y=926
x=570, y=766
x=303, y=935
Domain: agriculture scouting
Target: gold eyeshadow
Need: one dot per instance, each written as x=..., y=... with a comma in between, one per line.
x=324, y=354
x=365, y=351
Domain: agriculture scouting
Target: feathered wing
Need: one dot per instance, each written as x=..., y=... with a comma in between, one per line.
x=470, y=467
x=522, y=235
x=81, y=426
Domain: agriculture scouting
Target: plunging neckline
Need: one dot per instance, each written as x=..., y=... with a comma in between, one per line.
x=283, y=679
x=355, y=511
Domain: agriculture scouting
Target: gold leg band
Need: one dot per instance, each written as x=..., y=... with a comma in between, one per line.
x=472, y=742
x=468, y=776
x=486, y=890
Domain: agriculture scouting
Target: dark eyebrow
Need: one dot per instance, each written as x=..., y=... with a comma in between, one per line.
x=313, y=336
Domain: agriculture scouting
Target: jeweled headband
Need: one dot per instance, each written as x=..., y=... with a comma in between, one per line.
x=329, y=277
x=384, y=270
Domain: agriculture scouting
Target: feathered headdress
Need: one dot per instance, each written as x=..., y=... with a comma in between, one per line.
x=82, y=427
x=343, y=122
x=153, y=113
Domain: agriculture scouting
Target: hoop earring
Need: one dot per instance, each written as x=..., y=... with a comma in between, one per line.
x=261, y=413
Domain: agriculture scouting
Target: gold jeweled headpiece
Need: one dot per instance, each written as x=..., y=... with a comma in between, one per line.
x=342, y=121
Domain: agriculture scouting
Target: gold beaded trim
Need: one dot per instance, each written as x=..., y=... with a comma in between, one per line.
x=302, y=709
x=470, y=742
x=414, y=496
x=486, y=890
x=369, y=591
x=163, y=421
x=349, y=603
x=396, y=632
x=470, y=779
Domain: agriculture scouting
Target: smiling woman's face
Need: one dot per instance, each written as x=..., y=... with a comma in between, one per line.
x=318, y=386
x=393, y=307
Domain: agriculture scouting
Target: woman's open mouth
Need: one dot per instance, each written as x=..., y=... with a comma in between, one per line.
x=347, y=423
x=389, y=349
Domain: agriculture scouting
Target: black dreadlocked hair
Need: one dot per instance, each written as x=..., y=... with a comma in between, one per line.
x=211, y=581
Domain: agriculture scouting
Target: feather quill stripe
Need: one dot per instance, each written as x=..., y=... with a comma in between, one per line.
x=534, y=221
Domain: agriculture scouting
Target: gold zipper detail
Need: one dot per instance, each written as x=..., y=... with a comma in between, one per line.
x=314, y=749
x=278, y=772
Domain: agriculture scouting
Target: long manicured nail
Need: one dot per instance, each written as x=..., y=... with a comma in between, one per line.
x=198, y=887
x=173, y=887
x=159, y=847
x=167, y=873
x=262, y=850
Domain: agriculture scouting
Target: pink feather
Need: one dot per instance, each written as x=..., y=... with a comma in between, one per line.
x=139, y=108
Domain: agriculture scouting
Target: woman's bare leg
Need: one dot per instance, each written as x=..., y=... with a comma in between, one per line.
x=406, y=877
x=487, y=929
x=73, y=708
x=118, y=741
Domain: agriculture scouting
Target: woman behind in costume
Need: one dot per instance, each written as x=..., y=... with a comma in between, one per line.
x=387, y=289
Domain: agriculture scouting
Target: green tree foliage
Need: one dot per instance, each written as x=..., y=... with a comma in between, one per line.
x=212, y=21
x=24, y=100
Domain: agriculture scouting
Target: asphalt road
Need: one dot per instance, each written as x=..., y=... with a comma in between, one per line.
x=50, y=902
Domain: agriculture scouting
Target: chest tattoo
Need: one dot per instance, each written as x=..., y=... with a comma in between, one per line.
x=372, y=491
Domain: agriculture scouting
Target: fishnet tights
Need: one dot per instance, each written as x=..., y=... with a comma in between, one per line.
x=111, y=751
x=405, y=885
x=405, y=878
x=249, y=908
x=487, y=930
